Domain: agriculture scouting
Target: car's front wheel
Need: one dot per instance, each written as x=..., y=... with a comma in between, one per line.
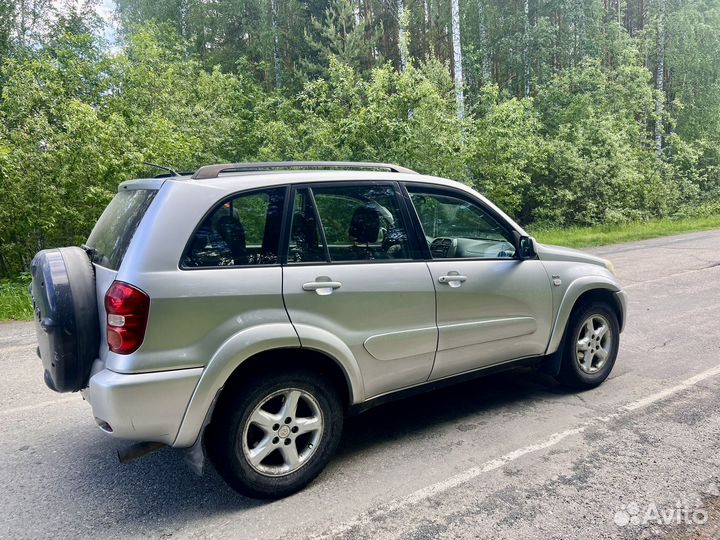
x=590, y=347
x=276, y=433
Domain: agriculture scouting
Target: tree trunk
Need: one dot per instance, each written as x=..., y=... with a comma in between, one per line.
x=276, y=42
x=184, y=19
x=579, y=40
x=660, y=80
x=526, y=50
x=402, y=35
x=457, y=58
x=484, y=47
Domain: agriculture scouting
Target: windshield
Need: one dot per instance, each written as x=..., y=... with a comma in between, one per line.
x=114, y=230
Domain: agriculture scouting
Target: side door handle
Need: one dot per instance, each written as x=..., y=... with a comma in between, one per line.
x=453, y=279
x=322, y=287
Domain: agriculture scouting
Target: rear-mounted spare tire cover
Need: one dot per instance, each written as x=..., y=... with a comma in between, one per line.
x=66, y=316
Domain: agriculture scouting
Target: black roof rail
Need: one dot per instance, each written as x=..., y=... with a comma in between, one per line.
x=213, y=171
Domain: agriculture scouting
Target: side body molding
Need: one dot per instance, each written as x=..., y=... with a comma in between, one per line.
x=572, y=293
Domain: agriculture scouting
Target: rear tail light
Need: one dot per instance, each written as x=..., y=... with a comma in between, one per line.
x=127, y=310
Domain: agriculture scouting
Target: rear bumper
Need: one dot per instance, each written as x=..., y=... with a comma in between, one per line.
x=142, y=406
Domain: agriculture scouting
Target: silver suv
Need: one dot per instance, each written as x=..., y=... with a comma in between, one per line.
x=244, y=310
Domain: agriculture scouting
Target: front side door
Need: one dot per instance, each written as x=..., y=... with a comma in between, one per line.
x=491, y=306
x=352, y=272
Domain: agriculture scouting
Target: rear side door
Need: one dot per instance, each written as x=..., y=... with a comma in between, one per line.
x=352, y=273
x=491, y=306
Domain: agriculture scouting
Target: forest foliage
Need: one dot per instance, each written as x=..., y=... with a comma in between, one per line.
x=573, y=112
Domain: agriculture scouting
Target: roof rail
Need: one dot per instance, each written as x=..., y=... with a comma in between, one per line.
x=213, y=171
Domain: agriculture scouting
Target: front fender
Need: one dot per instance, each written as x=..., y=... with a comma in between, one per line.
x=577, y=288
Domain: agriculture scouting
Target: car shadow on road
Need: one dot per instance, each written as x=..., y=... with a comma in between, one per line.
x=159, y=495
x=509, y=391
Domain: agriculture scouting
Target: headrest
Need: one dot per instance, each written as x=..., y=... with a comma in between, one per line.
x=365, y=225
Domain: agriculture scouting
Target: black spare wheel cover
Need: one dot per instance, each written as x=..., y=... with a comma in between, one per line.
x=66, y=316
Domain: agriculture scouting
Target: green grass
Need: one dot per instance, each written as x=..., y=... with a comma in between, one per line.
x=15, y=302
x=614, y=234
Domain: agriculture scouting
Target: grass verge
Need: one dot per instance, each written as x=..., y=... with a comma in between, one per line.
x=615, y=234
x=15, y=302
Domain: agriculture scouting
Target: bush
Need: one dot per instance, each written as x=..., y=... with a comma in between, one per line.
x=15, y=301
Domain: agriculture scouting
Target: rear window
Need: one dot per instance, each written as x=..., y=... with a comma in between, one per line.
x=114, y=230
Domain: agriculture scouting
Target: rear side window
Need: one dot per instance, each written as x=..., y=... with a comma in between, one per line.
x=114, y=230
x=347, y=224
x=241, y=231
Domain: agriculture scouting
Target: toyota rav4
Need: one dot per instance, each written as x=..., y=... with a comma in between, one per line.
x=243, y=311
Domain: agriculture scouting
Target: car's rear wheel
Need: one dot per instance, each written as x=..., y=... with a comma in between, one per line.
x=590, y=346
x=276, y=433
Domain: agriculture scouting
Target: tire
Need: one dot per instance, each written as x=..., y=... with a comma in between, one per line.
x=233, y=437
x=585, y=369
x=66, y=316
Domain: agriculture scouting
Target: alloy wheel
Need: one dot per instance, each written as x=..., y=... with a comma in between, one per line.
x=282, y=432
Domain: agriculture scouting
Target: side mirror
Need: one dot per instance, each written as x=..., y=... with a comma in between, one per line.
x=525, y=247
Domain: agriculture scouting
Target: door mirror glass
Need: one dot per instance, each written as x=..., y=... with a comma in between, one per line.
x=526, y=247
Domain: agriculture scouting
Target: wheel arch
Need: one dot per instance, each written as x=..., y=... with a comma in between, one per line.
x=250, y=352
x=579, y=293
x=286, y=358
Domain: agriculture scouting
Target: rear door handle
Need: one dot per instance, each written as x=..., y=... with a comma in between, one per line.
x=322, y=287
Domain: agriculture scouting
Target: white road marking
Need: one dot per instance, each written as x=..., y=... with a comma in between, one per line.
x=39, y=405
x=465, y=476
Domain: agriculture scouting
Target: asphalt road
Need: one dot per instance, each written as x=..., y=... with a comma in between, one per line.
x=508, y=456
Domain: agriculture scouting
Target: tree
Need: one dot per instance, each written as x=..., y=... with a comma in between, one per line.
x=341, y=35
x=526, y=49
x=457, y=59
x=276, y=43
x=484, y=44
x=402, y=35
x=660, y=78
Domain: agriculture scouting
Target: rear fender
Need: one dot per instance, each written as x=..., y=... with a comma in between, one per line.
x=233, y=352
x=248, y=343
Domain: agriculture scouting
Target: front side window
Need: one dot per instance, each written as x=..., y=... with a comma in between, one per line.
x=356, y=223
x=244, y=230
x=455, y=227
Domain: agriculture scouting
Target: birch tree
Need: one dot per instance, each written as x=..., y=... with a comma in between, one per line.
x=457, y=58
x=402, y=35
